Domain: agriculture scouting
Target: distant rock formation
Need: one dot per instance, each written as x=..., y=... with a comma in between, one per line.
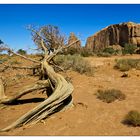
x=73, y=38
x=115, y=35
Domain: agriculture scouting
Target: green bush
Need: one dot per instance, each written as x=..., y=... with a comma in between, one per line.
x=127, y=64
x=102, y=54
x=74, y=62
x=22, y=52
x=132, y=118
x=107, y=52
x=129, y=49
x=110, y=51
x=110, y=95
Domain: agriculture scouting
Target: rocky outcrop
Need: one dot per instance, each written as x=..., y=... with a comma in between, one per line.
x=73, y=38
x=117, y=34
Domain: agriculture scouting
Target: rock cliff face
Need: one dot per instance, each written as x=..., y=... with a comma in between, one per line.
x=117, y=34
x=73, y=38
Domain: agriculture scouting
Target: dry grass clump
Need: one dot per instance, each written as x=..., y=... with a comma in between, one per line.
x=127, y=64
x=110, y=95
x=129, y=49
x=132, y=118
x=74, y=62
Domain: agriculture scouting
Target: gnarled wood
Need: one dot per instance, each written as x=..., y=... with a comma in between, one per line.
x=61, y=92
x=37, y=86
x=2, y=94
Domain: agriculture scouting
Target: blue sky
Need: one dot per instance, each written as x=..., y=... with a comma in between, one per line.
x=83, y=20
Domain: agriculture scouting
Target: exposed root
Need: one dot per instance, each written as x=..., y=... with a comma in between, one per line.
x=62, y=91
x=2, y=95
x=60, y=98
x=37, y=86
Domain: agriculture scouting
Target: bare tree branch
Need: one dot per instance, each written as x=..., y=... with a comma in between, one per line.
x=19, y=67
x=36, y=86
x=46, y=38
x=59, y=50
x=22, y=56
x=2, y=94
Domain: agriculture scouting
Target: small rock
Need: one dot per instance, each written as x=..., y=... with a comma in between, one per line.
x=82, y=104
x=124, y=75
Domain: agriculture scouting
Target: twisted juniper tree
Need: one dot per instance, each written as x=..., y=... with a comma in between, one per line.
x=49, y=40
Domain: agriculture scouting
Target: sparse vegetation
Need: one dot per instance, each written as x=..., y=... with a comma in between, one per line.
x=127, y=64
x=129, y=49
x=107, y=52
x=71, y=51
x=86, y=53
x=74, y=62
x=3, y=60
x=102, y=54
x=110, y=51
x=14, y=62
x=110, y=95
x=82, y=51
x=132, y=118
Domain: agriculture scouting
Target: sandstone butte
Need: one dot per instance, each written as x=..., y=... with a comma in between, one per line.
x=73, y=38
x=115, y=35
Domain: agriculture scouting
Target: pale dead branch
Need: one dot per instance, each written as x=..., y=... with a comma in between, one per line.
x=61, y=96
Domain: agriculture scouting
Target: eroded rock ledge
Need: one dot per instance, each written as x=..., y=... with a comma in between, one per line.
x=117, y=34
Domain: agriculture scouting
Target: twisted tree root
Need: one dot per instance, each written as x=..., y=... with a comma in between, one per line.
x=37, y=86
x=2, y=95
x=62, y=92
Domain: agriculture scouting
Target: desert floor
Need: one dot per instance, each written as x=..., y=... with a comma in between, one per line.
x=89, y=115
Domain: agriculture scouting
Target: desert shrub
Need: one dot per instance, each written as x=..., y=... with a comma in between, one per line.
x=110, y=95
x=22, y=52
x=81, y=51
x=14, y=62
x=129, y=49
x=132, y=118
x=107, y=52
x=19, y=76
x=110, y=51
x=86, y=52
x=103, y=54
x=3, y=60
x=127, y=64
x=71, y=51
x=74, y=62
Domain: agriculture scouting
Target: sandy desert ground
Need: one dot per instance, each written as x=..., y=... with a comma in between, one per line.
x=89, y=116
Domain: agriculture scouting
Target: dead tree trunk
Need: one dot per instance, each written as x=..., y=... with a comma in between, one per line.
x=62, y=90
x=2, y=94
x=30, y=88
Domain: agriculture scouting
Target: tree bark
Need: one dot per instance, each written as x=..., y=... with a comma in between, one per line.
x=30, y=88
x=61, y=93
x=2, y=94
x=62, y=90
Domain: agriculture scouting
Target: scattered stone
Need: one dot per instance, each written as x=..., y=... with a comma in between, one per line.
x=125, y=75
x=81, y=104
